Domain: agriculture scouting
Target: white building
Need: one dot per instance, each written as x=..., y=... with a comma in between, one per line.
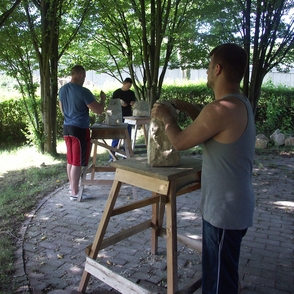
x=175, y=76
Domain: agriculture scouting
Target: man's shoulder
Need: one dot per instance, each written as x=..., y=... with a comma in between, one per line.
x=116, y=93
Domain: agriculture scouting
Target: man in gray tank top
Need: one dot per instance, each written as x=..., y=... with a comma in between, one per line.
x=227, y=130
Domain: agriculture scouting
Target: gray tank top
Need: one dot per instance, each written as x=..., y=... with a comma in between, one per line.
x=226, y=186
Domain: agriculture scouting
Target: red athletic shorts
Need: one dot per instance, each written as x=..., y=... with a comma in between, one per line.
x=78, y=145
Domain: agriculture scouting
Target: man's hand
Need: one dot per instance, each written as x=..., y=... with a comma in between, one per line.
x=102, y=97
x=161, y=112
x=123, y=103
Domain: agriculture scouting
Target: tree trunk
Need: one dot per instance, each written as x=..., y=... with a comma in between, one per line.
x=255, y=88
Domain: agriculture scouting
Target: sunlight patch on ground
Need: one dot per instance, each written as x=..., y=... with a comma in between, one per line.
x=194, y=237
x=27, y=157
x=188, y=215
x=285, y=204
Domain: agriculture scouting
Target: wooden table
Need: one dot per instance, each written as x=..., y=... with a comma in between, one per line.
x=166, y=184
x=138, y=121
x=100, y=133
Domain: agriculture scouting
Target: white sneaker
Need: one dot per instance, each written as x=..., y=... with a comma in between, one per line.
x=84, y=196
x=73, y=197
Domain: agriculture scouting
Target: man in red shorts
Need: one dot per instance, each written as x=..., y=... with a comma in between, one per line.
x=75, y=102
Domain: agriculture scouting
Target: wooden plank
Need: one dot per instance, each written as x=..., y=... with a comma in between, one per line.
x=138, y=204
x=125, y=234
x=171, y=240
x=190, y=243
x=97, y=182
x=121, y=236
x=101, y=131
x=107, y=169
x=137, y=120
x=189, y=188
x=113, y=279
x=145, y=182
x=139, y=166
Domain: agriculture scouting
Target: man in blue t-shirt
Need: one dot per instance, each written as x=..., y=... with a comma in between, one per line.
x=75, y=102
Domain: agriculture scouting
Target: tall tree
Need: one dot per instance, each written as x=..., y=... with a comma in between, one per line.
x=264, y=27
x=49, y=22
x=268, y=26
x=138, y=35
x=50, y=26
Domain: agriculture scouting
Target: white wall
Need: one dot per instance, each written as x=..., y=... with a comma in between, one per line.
x=104, y=81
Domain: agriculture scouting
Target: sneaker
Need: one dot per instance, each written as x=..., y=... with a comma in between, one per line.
x=84, y=196
x=73, y=197
x=110, y=160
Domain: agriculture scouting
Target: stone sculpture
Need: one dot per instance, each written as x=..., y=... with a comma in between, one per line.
x=160, y=151
x=113, y=112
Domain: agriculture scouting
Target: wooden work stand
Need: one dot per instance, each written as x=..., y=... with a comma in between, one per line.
x=136, y=121
x=99, y=134
x=165, y=184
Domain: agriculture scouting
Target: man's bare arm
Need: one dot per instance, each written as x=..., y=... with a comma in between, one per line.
x=191, y=109
x=98, y=107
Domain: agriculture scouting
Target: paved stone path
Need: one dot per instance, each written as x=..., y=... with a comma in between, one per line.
x=51, y=252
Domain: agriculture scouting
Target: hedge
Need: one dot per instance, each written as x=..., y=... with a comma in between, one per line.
x=275, y=111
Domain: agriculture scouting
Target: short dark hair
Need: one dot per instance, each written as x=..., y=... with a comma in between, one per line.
x=128, y=80
x=233, y=59
x=77, y=69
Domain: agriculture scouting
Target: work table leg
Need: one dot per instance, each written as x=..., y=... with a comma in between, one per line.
x=171, y=241
x=157, y=220
x=101, y=231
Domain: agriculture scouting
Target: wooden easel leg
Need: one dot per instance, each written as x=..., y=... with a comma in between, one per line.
x=171, y=241
x=135, y=137
x=154, y=227
x=145, y=135
x=157, y=220
x=101, y=231
x=129, y=154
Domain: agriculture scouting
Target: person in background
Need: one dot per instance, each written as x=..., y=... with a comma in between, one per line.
x=75, y=102
x=128, y=98
x=227, y=130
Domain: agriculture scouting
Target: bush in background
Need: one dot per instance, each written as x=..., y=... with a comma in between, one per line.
x=275, y=111
x=13, y=120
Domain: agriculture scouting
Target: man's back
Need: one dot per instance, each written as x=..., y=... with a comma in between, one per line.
x=228, y=197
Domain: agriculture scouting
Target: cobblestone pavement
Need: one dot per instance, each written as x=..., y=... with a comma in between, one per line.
x=51, y=252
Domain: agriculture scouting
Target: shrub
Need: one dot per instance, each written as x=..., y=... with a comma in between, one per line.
x=13, y=120
x=275, y=111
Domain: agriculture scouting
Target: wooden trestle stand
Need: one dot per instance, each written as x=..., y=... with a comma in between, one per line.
x=100, y=133
x=136, y=121
x=165, y=183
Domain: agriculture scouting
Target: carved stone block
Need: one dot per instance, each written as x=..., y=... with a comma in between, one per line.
x=160, y=151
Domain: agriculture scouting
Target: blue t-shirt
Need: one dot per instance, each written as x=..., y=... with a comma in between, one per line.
x=74, y=99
